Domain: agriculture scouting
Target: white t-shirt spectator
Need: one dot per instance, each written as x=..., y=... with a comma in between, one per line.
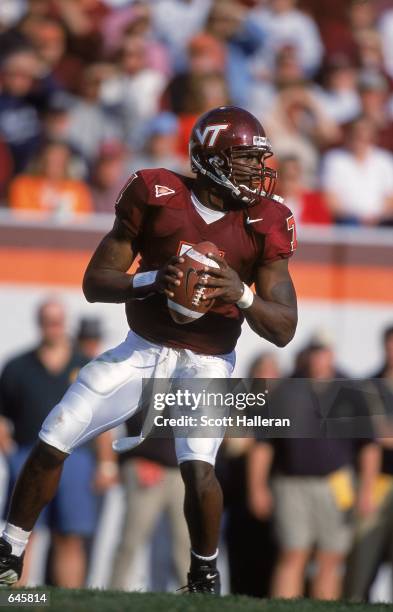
x=292, y=28
x=137, y=98
x=89, y=127
x=176, y=21
x=361, y=187
x=11, y=11
x=341, y=106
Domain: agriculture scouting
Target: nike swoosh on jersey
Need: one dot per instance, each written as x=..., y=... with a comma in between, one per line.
x=249, y=221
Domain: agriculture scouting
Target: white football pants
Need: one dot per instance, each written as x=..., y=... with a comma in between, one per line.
x=108, y=390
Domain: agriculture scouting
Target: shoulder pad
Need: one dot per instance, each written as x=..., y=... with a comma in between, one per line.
x=269, y=212
x=273, y=220
x=164, y=186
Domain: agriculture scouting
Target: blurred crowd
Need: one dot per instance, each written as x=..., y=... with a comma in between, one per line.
x=302, y=516
x=314, y=515
x=92, y=90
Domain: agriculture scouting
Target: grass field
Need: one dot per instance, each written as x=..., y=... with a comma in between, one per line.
x=62, y=600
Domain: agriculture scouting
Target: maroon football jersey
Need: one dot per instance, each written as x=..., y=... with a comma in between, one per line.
x=156, y=207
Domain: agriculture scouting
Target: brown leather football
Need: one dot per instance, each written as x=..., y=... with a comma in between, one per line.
x=187, y=304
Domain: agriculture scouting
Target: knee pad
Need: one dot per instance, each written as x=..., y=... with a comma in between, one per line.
x=67, y=422
x=197, y=449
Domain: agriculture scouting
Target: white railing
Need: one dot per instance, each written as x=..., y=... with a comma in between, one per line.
x=329, y=234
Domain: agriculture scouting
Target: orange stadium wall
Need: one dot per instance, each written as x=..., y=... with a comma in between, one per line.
x=343, y=280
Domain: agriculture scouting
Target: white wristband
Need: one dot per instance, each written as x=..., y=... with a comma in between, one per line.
x=143, y=279
x=247, y=298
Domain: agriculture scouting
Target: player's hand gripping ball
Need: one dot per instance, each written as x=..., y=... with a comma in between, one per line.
x=188, y=299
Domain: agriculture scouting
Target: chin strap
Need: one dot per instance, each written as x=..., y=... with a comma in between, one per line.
x=225, y=182
x=221, y=180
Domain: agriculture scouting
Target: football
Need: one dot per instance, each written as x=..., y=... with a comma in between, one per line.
x=187, y=304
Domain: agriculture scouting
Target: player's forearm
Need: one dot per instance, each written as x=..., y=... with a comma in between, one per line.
x=108, y=286
x=112, y=286
x=274, y=322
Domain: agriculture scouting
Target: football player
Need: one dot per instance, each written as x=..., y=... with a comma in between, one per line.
x=159, y=213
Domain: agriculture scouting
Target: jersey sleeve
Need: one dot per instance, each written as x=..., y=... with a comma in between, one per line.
x=280, y=240
x=131, y=204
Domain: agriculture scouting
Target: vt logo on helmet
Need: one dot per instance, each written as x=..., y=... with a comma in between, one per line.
x=210, y=133
x=229, y=146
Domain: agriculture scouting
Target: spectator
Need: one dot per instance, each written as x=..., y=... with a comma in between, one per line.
x=89, y=337
x=339, y=97
x=152, y=486
x=374, y=525
x=312, y=492
x=265, y=366
x=369, y=50
x=29, y=385
x=374, y=91
x=58, y=68
x=373, y=531
x=88, y=126
x=136, y=20
x=229, y=23
x=20, y=126
x=298, y=125
x=247, y=536
x=169, y=14
x=51, y=191
x=161, y=148
x=343, y=25
x=307, y=206
x=83, y=20
x=358, y=179
x=206, y=55
x=136, y=90
x=285, y=25
x=55, y=121
x=265, y=88
x=109, y=174
x=362, y=15
x=332, y=17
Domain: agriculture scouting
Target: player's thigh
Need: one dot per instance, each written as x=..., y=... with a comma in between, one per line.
x=74, y=509
x=292, y=503
x=106, y=393
x=200, y=373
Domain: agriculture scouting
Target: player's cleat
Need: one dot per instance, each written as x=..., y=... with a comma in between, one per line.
x=203, y=580
x=10, y=565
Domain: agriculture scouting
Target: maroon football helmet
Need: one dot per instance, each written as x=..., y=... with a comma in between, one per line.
x=229, y=146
